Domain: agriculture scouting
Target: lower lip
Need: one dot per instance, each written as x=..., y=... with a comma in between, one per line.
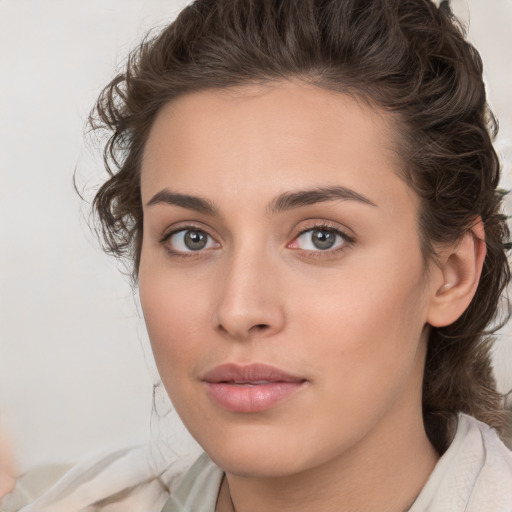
x=256, y=398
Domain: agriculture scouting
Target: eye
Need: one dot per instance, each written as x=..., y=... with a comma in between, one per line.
x=189, y=240
x=320, y=239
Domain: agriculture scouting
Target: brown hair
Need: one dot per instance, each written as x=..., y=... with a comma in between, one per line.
x=405, y=56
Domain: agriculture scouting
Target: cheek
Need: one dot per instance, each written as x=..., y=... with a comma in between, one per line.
x=368, y=323
x=175, y=314
x=361, y=341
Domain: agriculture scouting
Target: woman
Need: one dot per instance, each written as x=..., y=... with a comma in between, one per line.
x=308, y=193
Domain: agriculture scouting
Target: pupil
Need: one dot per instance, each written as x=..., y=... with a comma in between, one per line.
x=195, y=240
x=323, y=239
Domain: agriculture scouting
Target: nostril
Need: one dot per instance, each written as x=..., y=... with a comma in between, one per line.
x=260, y=327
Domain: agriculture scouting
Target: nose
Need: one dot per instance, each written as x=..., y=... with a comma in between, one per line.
x=249, y=304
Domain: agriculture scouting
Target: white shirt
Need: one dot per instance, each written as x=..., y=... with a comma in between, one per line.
x=474, y=475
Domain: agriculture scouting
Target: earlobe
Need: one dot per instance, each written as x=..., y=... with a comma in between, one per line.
x=460, y=271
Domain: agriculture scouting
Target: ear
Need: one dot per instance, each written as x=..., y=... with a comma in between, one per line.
x=457, y=277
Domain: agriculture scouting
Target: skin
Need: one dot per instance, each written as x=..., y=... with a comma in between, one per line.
x=8, y=470
x=353, y=321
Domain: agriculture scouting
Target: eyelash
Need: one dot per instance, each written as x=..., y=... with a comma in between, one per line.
x=321, y=226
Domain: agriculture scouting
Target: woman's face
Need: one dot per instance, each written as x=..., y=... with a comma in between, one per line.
x=281, y=276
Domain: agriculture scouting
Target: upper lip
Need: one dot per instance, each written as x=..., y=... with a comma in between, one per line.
x=251, y=373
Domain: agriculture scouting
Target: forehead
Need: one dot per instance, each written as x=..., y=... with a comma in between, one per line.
x=254, y=141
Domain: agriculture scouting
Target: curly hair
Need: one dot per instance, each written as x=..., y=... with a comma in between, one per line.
x=404, y=56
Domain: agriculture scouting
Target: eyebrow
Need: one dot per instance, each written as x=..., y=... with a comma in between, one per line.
x=198, y=204
x=281, y=203
x=291, y=200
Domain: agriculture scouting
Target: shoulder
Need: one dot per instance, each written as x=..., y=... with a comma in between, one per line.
x=492, y=488
x=124, y=481
x=482, y=443
x=474, y=475
x=31, y=485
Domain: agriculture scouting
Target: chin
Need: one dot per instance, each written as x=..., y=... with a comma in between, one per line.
x=257, y=465
x=261, y=452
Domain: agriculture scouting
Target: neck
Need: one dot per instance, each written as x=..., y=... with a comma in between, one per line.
x=384, y=472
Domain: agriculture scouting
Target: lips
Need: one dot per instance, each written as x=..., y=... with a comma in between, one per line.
x=251, y=388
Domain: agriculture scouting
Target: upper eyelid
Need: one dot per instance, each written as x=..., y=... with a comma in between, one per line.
x=185, y=227
x=342, y=230
x=347, y=239
x=314, y=225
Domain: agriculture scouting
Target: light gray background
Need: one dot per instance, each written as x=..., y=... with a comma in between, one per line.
x=75, y=370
